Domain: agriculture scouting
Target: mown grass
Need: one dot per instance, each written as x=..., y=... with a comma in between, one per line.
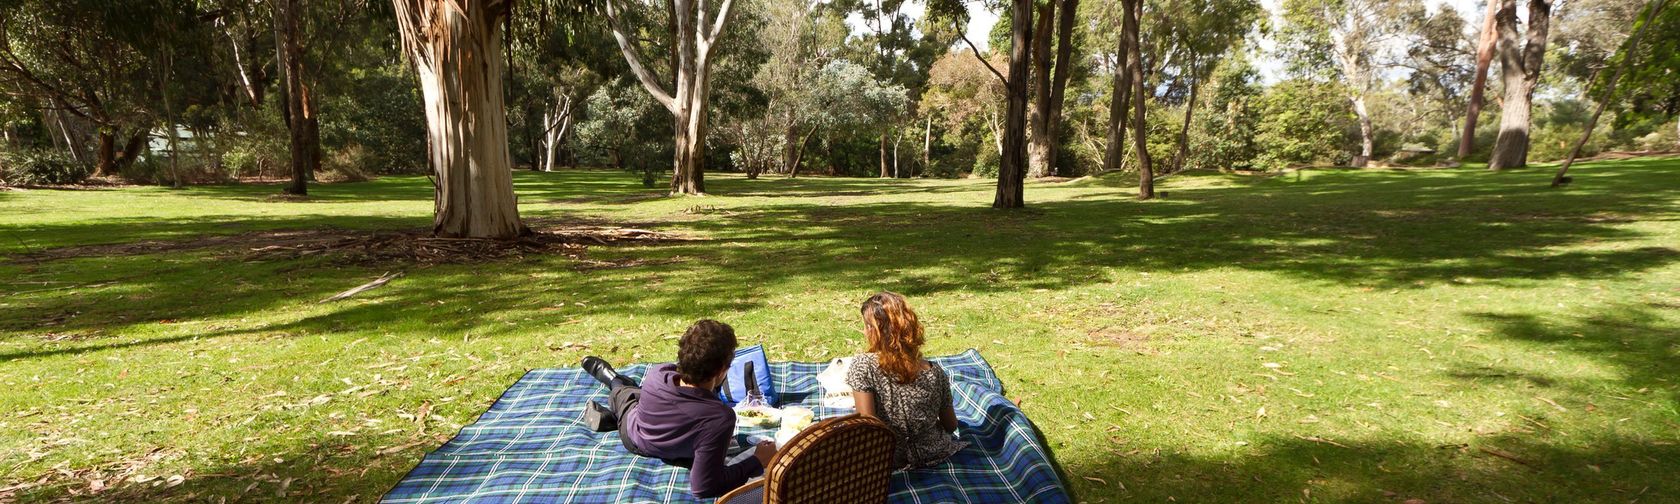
x=1326, y=335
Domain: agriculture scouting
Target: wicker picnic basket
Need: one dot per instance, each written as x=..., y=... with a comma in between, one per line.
x=842, y=459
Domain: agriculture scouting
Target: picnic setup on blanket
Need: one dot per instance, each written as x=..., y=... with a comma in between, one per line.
x=532, y=445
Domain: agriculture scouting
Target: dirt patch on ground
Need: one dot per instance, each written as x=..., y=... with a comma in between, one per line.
x=365, y=246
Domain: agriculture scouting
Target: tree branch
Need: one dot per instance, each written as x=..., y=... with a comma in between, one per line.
x=625, y=45
x=982, y=59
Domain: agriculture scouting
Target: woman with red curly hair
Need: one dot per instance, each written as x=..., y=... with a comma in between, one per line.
x=894, y=383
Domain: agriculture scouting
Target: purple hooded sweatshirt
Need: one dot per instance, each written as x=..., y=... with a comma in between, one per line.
x=687, y=426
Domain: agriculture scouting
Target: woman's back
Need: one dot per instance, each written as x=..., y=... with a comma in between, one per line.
x=911, y=409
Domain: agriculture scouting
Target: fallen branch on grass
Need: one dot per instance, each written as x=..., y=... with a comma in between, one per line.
x=376, y=283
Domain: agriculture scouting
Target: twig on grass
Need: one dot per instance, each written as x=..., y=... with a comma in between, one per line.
x=382, y=280
x=1507, y=456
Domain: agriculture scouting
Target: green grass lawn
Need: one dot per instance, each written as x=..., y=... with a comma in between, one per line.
x=1325, y=335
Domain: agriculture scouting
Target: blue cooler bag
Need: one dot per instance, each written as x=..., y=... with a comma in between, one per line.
x=749, y=375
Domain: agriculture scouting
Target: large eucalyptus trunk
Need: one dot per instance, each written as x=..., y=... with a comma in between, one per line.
x=1519, y=68
x=1011, y=166
x=1119, y=103
x=1134, y=65
x=455, y=46
x=1058, y=84
x=1484, y=59
x=1038, y=148
x=299, y=106
x=691, y=62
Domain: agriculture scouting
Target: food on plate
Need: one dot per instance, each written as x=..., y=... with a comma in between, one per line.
x=758, y=416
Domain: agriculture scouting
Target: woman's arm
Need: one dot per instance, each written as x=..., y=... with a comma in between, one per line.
x=864, y=402
x=947, y=414
x=948, y=417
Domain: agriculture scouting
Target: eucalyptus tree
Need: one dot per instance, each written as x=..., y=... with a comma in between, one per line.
x=1199, y=34
x=97, y=61
x=1441, y=59
x=1349, y=39
x=695, y=30
x=1520, y=63
x=1486, y=42
x=806, y=36
x=456, y=49
x=1012, y=164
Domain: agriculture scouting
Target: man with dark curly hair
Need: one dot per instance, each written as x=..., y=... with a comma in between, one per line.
x=675, y=414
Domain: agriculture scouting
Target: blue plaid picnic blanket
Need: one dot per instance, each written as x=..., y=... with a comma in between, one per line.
x=533, y=446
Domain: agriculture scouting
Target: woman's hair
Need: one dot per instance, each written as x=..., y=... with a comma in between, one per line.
x=705, y=350
x=894, y=334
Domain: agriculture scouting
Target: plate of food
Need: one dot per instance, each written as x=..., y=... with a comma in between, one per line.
x=757, y=416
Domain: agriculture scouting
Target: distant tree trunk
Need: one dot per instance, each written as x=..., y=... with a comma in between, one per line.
x=884, y=172
x=107, y=155
x=790, y=140
x=1484, y=59
x=1140, y=135
x=897, y=139
x=927, y=147
x=1119, y=103
x=456, y=50
x=1366, y=131
x=1628, y=56
x=1012, y=164
x=557, y=121
x=299, y=105
x=1058, y=86
x=799, y=155
x=1038, y=148
x=130, y=151
x=691, y=62
x=1520, y=70
x=1184, y=129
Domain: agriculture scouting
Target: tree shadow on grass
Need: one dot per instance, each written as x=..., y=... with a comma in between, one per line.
x=1410, y=229
x=1310, y=469
x=1637, y=339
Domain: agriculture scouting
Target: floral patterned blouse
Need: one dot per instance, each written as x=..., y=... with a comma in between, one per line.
x=910, y=409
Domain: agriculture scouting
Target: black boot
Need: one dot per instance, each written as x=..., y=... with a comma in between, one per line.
x=600, y=370
x=599, y=418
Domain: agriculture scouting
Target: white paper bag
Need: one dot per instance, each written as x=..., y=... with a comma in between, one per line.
x=836, y=394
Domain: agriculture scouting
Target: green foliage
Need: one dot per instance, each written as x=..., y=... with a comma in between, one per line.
x=41, y=166
x=1302, y=122
x=378, y=114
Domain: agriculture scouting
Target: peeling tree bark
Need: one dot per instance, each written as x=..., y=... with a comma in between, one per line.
x=1484, y=59
x=298, y=103
x=692, y=62
x=1119, y=102
x=1058, y=84
x=1038, y=146
x=1134, y=64
x=455, y=46
x=1012, y=165
x=1519, y=68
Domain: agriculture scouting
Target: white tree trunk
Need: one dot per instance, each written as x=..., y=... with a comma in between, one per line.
x=1365, y=132
x=694, y=39
x=456, y=49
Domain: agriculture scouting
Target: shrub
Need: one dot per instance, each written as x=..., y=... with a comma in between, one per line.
x=38, y=166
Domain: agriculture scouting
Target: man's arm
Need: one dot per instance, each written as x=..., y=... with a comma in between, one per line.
x=709, y=477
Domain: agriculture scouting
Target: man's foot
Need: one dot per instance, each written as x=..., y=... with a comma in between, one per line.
x=599, y=369
x=599, y=418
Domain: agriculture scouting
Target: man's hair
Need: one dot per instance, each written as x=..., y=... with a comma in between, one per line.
x=705, y=350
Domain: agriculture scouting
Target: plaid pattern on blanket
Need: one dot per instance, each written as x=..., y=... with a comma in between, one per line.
x=532, y=446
